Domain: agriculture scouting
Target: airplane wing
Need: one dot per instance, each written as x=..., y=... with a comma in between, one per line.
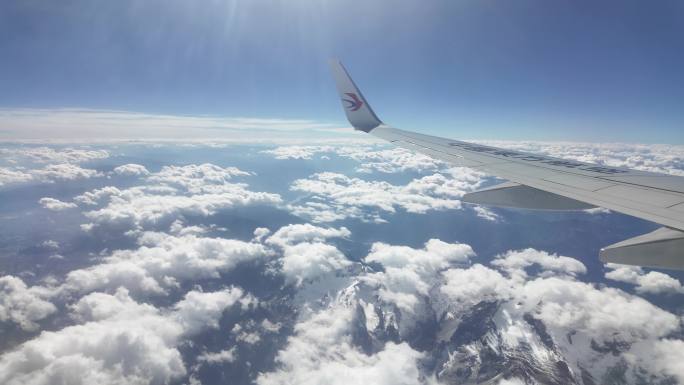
x=547, y=183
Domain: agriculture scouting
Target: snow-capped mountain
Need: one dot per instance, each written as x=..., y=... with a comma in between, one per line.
x=487, y=343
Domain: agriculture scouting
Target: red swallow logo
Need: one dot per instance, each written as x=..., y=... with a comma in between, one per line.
x=354, y=103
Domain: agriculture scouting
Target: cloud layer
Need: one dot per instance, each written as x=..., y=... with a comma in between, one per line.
x=334, y=196
x=120, y=341
x=170, y=193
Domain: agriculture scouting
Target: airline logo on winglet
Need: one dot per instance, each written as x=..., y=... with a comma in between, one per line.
x=354, y=103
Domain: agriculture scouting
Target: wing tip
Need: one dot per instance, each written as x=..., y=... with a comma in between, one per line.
x=356, y=107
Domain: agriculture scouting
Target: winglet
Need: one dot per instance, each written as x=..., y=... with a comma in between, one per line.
x=359, y=112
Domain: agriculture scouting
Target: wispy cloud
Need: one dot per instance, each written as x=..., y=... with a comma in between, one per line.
x=73, y=124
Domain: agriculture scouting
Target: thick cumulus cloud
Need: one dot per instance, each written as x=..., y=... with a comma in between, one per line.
x=172, y=192
x=663, y=158
x=663, y=356
x=131, y=169
x=119, y=341
x=515, y=263
x=298, y=233
x=162, y=260
x=55, y=204
x=305, y=255
x=321, y=352
x=23, y=305
x=555, y=296
x=653, y=282
x=335, y=196
x=196, y=178
x=199, y=310
x=466, y=287
x=604, y=313
x=93, y=197
x=409, y=274
x=390, y=160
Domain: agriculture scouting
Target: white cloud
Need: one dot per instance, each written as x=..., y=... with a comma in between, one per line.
x=51, y=244
x=260, y=233
x=664, y=357
x=371, y=158
x=196, y=178
x=515, y=262
x=245, y=336
x=486, y=214
x=336, y=196
x=390, y=160
x=250, y=332
x=467, y=287
x=11, y=176
x=23, y=305
x=120, y=342
x=604, y=314
x=83, y=125
x=297, y=152
x=47, y=174
x=62, y=172
x=220, y=357
x=436, y=255
x=511, y=381
x=269, y=326
x=200, y=310
x=321, y=351
x=162, y=260
x=410, y=273
x=52, y=155
x=305, y=261
x=304, y=255
x=55, y=204
x=297, y=233
x=131, y=169
x=653, y=282
x=140, y=207
x=93, y=197
x=175, y=191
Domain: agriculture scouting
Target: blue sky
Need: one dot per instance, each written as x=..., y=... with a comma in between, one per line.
x=561, y=70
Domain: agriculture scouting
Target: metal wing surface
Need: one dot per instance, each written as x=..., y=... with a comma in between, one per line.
x=543, y=182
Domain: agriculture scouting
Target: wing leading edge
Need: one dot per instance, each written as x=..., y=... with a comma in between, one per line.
x=548, y=183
